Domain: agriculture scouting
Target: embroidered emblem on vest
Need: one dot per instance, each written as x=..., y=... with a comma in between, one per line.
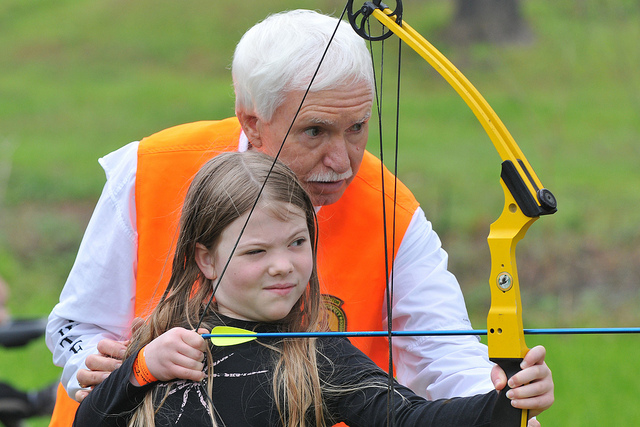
x=337, y=316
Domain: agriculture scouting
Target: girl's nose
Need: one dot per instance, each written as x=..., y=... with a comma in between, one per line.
x=280, y=266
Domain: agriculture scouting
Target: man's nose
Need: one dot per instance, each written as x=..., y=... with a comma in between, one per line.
x=337, y=155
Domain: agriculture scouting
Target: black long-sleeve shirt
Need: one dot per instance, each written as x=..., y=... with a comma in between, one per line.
x=243, y=393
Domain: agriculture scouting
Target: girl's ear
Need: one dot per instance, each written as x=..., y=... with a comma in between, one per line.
x=204, y=259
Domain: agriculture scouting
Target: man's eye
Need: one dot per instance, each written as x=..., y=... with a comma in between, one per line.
x=314, y=131
x=357, y=127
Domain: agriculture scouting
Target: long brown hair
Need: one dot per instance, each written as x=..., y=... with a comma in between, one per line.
x=225, y=188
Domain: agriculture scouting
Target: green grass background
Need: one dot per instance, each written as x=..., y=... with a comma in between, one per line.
x=79, y=79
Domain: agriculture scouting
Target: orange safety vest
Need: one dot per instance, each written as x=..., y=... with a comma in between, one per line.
x=351, y=249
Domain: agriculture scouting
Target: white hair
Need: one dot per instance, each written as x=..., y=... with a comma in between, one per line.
x=281, y=54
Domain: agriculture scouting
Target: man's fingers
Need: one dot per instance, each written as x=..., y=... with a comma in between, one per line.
x=88, y=378
x=81, y=394
x=98, y=362
x=111, y=348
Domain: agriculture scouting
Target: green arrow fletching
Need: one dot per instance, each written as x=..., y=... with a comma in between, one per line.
x=222, y=341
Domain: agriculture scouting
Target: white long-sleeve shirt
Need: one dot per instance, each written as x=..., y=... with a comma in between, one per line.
x=97, y=301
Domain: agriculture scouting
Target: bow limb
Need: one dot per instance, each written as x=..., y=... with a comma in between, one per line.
x=525, y=200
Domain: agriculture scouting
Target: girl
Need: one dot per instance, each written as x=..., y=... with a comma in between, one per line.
x=264, y=281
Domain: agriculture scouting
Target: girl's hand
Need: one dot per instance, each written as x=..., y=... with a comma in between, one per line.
x=177, y=354
x=532, y=387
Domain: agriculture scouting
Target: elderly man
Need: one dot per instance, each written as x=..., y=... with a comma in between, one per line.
x=121, y=263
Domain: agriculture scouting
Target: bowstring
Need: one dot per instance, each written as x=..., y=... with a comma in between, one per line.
x=275, y=160
x=393, y=223
x=389, y=264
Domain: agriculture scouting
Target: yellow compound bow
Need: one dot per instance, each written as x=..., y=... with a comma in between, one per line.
x=525, y=200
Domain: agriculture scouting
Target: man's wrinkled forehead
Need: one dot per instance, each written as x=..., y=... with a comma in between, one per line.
x=323, y=121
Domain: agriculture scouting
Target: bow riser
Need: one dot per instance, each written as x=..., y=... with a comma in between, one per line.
x=505, y=333
x=504, y=322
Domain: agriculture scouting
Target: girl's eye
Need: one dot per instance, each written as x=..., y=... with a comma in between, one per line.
x=299, y=242
x=254, y=251
x=312, y=132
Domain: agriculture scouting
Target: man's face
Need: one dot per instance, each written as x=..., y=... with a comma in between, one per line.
x=327, y=140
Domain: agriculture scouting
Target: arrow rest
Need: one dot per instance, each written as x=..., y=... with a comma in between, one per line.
x=362, y=15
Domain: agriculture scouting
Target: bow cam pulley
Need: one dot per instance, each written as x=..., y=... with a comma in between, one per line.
x=359, y=19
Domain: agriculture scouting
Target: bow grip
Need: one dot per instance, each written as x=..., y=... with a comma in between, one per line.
x=505, y=415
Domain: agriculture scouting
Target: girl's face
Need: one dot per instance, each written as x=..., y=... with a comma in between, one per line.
x=270, y=268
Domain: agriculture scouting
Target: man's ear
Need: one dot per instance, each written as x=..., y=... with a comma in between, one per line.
x=204, y=259
x=250, y=126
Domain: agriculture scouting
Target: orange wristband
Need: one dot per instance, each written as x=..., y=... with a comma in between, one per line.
x=141, y=371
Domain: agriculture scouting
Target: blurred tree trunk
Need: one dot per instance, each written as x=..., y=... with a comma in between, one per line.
x=492, y=21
